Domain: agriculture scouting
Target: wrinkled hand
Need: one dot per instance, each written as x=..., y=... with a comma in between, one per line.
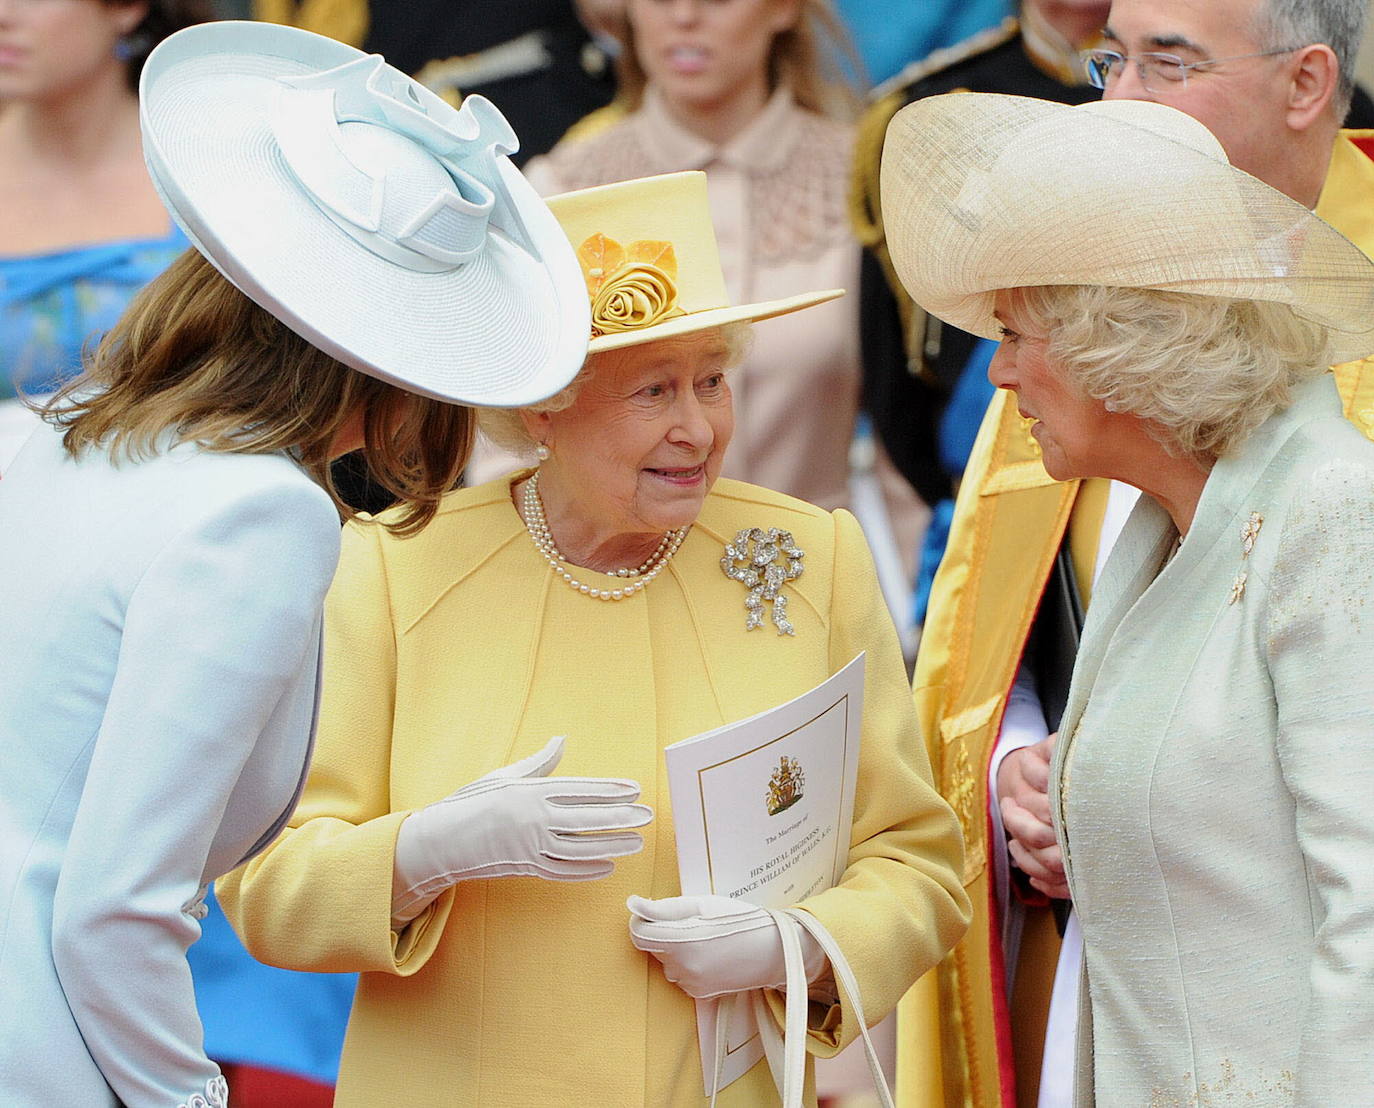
x=713, y=945
x=516, y=821
x=1023, y=783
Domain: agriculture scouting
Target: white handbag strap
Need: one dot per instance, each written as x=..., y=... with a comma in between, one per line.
x=849, y=989
x=786, y=1054
x=725, y=1007
x=794, y=1037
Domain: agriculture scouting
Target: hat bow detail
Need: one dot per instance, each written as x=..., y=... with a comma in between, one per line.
x=414, y=190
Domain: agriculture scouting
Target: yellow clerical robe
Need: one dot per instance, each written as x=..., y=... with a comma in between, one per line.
x=954, y=1035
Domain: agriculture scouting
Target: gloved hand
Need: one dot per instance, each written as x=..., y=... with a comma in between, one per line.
x=516, y=821
x=713, y=945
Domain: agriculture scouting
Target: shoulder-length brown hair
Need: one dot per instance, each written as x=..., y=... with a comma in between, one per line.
x=196, y=358
x=815, y=58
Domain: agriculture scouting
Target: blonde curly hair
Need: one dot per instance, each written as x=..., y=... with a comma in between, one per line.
x=815, y=58
x=1203, y=371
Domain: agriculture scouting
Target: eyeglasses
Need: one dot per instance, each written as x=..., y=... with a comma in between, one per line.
x=1158, y=72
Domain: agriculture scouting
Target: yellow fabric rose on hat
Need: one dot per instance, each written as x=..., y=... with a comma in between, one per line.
x=632, y=287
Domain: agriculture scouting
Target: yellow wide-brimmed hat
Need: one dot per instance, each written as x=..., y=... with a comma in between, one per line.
x=648, y=253
x=984, y=192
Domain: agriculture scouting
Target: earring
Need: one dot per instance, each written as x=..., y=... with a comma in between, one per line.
x=542, y=452
x=127, y=47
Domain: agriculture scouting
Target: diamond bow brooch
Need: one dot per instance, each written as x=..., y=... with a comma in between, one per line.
x=763, y=561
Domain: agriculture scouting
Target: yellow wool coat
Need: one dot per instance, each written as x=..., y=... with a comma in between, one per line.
x=457, y=651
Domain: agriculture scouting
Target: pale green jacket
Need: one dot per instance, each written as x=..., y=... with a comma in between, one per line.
x=1214, y=788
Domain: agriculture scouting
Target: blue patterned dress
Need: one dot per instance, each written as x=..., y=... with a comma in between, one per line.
x=54, y=305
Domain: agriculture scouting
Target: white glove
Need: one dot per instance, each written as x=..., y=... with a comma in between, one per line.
x=516, y=821
x=713, y=945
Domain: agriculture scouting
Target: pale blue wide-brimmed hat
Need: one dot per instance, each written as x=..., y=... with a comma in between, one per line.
x=377, y=221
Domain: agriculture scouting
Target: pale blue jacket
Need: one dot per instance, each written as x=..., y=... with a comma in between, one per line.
x=159, y=645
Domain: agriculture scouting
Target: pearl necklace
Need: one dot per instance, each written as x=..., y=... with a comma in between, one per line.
x=538, y=526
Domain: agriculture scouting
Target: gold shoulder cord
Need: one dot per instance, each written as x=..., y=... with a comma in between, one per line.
x=595, y=122
x=866, y=217
x=920, y=332
x=342, y=20
x=865, y=210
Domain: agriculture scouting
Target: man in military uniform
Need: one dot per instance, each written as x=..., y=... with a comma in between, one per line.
x=912, y=362
x=1272, y=78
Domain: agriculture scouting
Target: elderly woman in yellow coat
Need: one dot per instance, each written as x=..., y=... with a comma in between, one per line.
x=485, y=901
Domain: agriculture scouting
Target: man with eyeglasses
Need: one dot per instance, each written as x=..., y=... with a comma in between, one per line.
x=1273, y=79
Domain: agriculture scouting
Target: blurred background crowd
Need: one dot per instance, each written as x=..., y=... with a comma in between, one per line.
x=864, y=403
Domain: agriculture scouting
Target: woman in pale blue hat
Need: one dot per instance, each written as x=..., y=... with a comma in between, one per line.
x=368, y=265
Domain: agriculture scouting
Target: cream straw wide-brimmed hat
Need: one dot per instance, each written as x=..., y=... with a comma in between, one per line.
x=378, y=222
x=649, y=259
x=984, y=192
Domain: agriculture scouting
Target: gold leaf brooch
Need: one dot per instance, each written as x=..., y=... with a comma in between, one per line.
x=1248, y=534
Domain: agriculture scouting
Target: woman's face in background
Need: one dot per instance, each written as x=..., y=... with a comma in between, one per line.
x=643, y=443
x=706, y=53
x=48, y=47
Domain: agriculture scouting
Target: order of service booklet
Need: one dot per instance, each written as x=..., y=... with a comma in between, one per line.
x=762, y=810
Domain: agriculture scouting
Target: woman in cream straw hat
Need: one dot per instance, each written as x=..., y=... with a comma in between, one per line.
x=608, y=587
x=1167, y=321
x=368, y=262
